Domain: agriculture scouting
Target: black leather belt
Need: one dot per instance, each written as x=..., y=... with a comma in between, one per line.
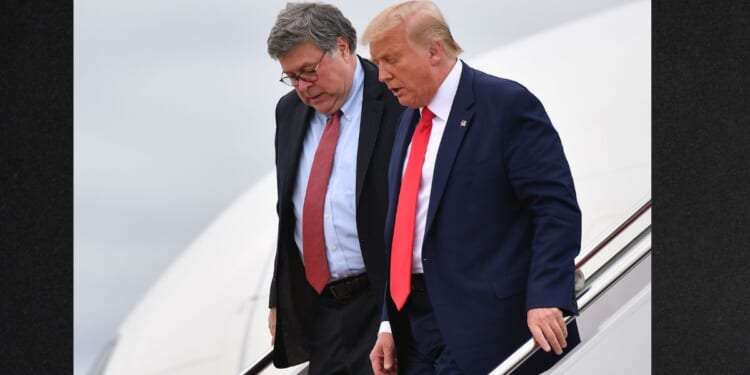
x=344, y=289
x=417, y=282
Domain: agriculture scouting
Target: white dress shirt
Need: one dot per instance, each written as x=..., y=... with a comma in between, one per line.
x=441, y=106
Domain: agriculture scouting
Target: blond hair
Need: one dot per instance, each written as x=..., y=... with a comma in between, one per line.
x=422, y=20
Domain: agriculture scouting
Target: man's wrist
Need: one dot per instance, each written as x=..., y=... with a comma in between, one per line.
x=385, y=327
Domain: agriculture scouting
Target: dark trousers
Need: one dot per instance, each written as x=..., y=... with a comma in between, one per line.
x=345, y=332
x=426, y=353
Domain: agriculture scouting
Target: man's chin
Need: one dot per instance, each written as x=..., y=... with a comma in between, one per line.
x=406, y=102
x=325, y=107
x=321, y=105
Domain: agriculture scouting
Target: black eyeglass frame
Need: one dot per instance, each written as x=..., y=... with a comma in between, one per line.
x=308, y=76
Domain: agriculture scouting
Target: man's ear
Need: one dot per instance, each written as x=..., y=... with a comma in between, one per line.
x=343, y=46
x=436, y=52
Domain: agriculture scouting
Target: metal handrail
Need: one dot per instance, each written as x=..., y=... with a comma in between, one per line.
x=634, y=252
x=261, y=364
x=530, y=347
x=614, y=233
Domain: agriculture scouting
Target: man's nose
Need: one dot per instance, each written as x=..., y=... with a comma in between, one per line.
x=302, y=84
x=384, y=75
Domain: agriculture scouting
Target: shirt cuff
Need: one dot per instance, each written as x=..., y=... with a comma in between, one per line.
x=385, y=327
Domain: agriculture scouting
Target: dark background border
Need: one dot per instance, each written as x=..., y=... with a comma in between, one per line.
x=701, y=184
x=36, y=200
x=701, y=181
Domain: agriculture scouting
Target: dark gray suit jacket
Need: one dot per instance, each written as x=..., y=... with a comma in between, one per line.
x=295, y=300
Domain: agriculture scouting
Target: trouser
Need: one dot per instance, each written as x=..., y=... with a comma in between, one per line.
x=344, y=334
x=426, y=353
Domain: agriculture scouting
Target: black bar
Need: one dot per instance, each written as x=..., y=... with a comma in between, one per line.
x=261, y=365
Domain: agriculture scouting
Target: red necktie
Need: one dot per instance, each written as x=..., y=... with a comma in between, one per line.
x=313, y=239
x=406, y=212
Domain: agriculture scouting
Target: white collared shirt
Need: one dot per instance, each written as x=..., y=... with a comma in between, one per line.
x=441, y=106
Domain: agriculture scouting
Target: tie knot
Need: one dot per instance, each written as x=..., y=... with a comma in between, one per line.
x=427, y=116
x=335, y=116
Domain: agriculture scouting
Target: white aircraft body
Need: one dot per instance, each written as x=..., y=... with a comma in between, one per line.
x=208, y=312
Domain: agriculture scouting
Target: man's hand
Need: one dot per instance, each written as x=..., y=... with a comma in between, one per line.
x=272, y=324
x=383, y=355
x=548, y=328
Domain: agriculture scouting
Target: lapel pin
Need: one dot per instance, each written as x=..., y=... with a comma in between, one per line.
x=463, y=123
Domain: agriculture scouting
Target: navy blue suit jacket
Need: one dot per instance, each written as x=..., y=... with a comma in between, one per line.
x=503, y=224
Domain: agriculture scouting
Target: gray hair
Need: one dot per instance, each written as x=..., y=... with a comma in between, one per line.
x=319, y=23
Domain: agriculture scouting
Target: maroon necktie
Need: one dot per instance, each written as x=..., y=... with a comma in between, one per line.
x=313, y=239
x=406, y=212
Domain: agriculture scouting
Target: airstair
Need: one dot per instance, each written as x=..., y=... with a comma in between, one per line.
x=613, y=288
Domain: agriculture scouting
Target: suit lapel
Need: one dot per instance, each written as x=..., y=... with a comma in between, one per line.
x=404, y=131
x=407, y=124
x=369, y=128
x=459, y=121
x=297, y=130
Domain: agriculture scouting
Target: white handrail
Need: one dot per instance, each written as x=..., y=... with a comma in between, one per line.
x=634, y=252
x=631, y=255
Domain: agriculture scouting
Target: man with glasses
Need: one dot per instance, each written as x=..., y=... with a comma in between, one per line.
x=334, y=134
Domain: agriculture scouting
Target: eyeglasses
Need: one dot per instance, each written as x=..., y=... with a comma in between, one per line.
x=309, y=76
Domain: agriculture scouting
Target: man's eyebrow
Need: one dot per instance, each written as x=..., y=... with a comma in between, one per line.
x=305, y=68
x=379, y=57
